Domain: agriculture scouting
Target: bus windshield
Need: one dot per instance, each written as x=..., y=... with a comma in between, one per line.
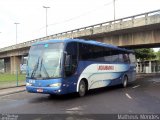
x=44, y=61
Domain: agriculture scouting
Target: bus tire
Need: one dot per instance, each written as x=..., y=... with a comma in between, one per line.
x=82, y=88
x=51, y=95
x=125, y=81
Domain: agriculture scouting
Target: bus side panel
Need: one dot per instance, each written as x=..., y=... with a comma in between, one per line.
x=116, y=81
x=133, y=72
x=72, y=82
x=111, y=74
x=84, y=71
x=101, y=75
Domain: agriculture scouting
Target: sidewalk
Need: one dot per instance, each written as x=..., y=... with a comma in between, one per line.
x=7, y=91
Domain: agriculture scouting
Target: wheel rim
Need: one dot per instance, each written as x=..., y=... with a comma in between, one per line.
x=125, y=82
x=82, y=89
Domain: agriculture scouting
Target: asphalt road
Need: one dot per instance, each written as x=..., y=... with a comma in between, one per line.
x=142, y=96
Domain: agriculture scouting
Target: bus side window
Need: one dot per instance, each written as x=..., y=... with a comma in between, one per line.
x=121, y=58
x=82, y=52
x=132, y=58
x=126, y=58
x=96, y=53
x=114, y=56
x=107, y=55
x=85, y=52
x=71, y=58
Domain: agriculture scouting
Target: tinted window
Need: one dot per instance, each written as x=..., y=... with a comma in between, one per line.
x=85, y=52
x=132, y=58
x=107, y=55
x=121, y=58
x=91, y=52
x=71, y=50
x=98, y=53
x=126, y=58
x=114, y=55
x=102, y=54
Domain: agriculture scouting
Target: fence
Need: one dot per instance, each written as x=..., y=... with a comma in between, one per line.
x=11, y=80
x=15, y=78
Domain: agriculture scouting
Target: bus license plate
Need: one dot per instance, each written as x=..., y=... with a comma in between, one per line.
x=39, y=90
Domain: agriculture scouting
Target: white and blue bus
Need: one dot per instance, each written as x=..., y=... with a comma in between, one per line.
x=75, y=65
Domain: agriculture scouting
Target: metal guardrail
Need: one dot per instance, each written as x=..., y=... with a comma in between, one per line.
x=28, y=43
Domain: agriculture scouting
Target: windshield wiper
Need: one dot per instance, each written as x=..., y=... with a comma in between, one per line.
x=35, y=68
x=44, y=69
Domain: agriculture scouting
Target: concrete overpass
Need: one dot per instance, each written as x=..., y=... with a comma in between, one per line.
x=142, y=30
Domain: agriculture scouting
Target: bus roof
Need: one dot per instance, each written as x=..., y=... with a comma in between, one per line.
x=92, y=42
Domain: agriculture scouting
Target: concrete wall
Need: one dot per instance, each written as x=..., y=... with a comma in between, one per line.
x=141, y=39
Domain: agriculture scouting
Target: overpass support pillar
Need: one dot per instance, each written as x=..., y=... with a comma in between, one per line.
x=137, y=68
x=15, y=64
x=150, y=67
x=140, y=69
x=7, y=65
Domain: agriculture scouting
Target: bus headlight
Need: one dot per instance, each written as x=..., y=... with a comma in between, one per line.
x=28, y=84
x=55, y=85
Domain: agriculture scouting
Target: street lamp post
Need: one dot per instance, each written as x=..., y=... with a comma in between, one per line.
x=16, y=31
x=17, y=64
x=114, y=10
x=46, y=18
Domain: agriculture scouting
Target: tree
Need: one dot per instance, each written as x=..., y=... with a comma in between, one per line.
x=158, y=55
x=145, y=54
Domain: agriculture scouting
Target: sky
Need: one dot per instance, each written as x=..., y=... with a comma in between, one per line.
x=63, y=15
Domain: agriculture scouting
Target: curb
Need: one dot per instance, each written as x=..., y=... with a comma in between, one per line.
x=11, y=87
x=9, y=93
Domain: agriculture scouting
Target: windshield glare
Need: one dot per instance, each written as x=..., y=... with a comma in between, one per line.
x=44, y=61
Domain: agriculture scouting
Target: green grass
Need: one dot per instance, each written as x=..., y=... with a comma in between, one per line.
x=10, y=80
x=11, y=77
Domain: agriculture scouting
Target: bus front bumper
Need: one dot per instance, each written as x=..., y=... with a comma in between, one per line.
x=45, y=90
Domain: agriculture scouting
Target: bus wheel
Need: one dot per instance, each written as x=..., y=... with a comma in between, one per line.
x=52, y=95
x=125, y=81
x=82, y=88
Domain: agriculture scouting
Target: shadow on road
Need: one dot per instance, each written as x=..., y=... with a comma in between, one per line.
x=74, y=96
x=141, y=80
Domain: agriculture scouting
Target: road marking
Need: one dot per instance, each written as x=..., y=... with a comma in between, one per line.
x=128, y=96
x=156, y=82
x=75, y=108
x=136, y=86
